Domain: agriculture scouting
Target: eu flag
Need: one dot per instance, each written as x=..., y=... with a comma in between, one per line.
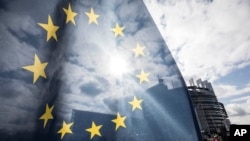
x=88, y=70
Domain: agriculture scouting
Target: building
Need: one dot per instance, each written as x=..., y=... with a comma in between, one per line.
x=166, y=114
x=211, y=114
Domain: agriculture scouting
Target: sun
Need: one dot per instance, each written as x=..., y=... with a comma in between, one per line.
x=118, y=66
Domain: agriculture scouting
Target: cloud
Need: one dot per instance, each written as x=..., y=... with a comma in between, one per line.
x=92, y=89
x=227, y=91
x=239, y=112
x=235, y=110
x=19, y=102
x=237, y=100
x=14, y=52
x=19, y=41
x=86, y=75
x=78, y=62
x=208, y=40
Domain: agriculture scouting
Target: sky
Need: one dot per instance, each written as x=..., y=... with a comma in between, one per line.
x=88, y=67
x=210, y=40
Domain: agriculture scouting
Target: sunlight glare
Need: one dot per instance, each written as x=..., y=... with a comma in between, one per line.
x=118, y=66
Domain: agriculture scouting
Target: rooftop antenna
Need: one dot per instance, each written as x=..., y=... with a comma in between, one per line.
x=160, y=80
x=191, y=82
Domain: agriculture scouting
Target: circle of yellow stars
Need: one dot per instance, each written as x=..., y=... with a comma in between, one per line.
x=38, y=70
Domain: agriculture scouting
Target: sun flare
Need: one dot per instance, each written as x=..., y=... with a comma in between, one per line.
x=118, y=66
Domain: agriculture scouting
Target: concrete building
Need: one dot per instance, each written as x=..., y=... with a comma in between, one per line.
x=211, y=114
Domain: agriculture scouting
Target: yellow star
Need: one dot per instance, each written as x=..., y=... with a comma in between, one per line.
x=37, y=69
x=138, y=50
x=119, y=121
x=92, y=16
x=136, y=103
x=118, y=30
x=143, y=76
x=47, y=115
x=50, y=28
x=94, y=130
x=65, y=129
x=70, y=14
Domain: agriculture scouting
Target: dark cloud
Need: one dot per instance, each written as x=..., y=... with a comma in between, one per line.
x=94, y=88
x=238, y=111
x=91, y=89
x=19, y=102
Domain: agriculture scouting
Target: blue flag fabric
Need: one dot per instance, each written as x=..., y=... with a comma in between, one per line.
x=88, y=70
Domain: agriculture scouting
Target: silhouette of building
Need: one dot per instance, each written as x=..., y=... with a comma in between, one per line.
x=211, y=114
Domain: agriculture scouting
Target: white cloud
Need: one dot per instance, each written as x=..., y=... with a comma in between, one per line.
x=239, y=113
x=223, y=91
x=240, y=99
x=240, y=119
x=207, y=40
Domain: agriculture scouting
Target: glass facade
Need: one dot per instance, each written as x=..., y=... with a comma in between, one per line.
x=211, y=113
